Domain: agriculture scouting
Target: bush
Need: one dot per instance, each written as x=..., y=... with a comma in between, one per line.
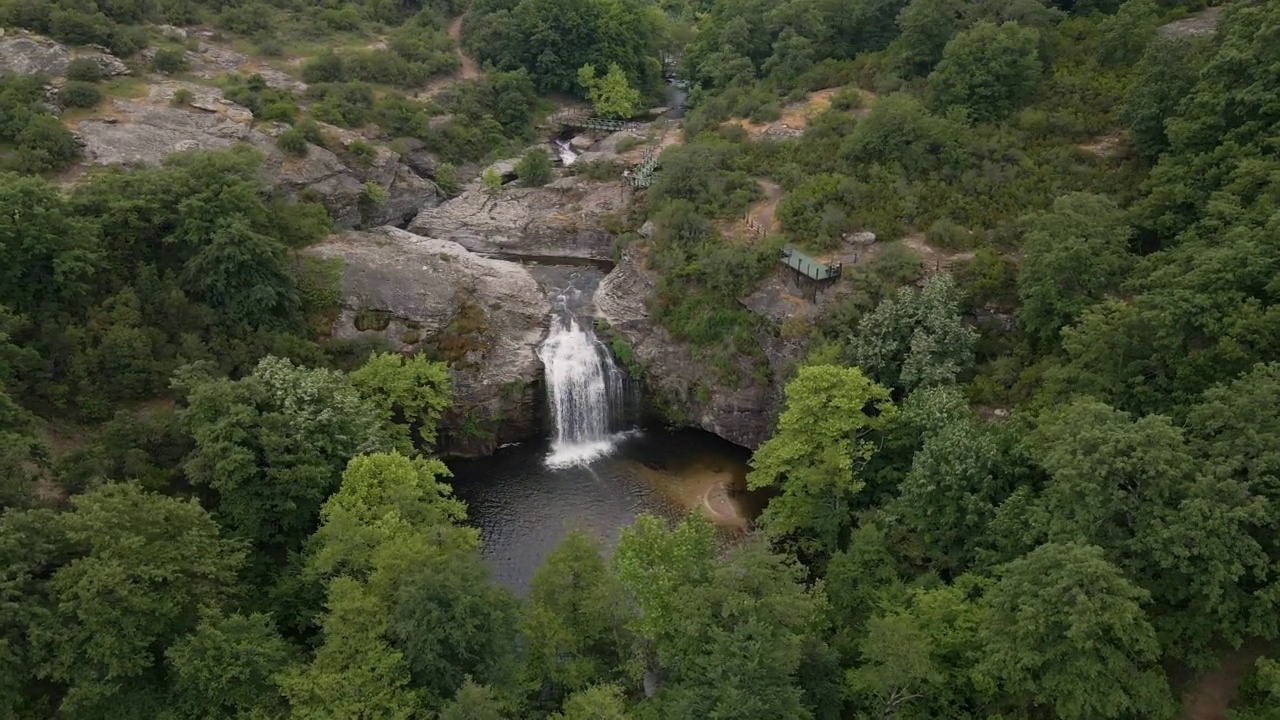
x=169, y=61
x=447, y=178
x=181, y=97
x=84, y=70
x=44, y=144
x=948, y=235
x=80, y=94
x=534, y=169
x=326, y=68
x=362, y=153
x=293, y=142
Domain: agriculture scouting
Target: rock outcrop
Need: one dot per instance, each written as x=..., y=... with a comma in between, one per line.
x=144, y=132
x=483, y=316
x=569, y=217
x=684, y=389
x=25, y=55
x=34, y=55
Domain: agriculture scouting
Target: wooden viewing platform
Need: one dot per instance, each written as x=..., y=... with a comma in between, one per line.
x=808, y=266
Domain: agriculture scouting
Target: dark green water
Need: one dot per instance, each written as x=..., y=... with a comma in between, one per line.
x=524, y=509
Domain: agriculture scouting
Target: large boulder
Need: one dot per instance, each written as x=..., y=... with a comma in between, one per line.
x=30, y=55
x=144, y=132
x=27, y=54
x=682, y=387
x=484, y=317
x=570, y=217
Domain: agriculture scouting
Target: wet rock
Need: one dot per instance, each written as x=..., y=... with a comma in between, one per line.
x=33, y=55
x=569, y=217
x=685, y=388
x=485, y=317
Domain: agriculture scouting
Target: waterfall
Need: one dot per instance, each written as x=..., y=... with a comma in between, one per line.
x=585, y=389
x=567, y=155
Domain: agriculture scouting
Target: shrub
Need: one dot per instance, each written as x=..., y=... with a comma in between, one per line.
x=84, y=70
x=948, y=235
x=181, y=97
x=362, y=153
x=324, y=68
x=311, y=131
x=447, y=178
x=534, y=169
x=169, y=61
x=293, y=142
x=80, y=94
x=44, y=144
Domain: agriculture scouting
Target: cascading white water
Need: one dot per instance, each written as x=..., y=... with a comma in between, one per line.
x=585, y=390
x=567, y=155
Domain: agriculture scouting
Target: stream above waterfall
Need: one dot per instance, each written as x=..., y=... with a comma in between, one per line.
x=524, y=507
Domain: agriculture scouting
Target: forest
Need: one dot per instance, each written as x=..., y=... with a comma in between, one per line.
x=1042, y=484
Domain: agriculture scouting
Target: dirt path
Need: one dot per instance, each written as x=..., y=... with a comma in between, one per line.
x=470, y=71
x=765, y=211
x=1209, y=695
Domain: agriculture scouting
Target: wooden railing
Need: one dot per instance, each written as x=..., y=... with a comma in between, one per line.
x=808, y=266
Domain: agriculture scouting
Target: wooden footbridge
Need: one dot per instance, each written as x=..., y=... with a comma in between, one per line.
x=808, y=266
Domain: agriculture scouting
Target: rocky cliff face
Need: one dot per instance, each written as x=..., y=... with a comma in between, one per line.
x=569, y=217
x=684, y=389
x=145, y=131
x=484, y=317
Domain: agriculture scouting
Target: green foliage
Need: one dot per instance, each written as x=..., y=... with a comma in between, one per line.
x=169, y=61
x=293, y=141
x=611, y=95
x=272, y=445
x=815, y=454
x=534, y=169
x=145, y=564
x=413, y=392
x=553, y=39
x=491, y=179
x=915, y=339
x=1074, y=255
x=84, y=69
x=1066, y=630
x=573, y=622
x=990, y=70
x=227, y=666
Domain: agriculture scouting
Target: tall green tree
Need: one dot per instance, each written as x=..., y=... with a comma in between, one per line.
x=1073, y=256
x=574, y=622
x=356, y=673
x=273, y=445
x=413, y=392
x=146, y=564
x=1067, y=632
x=611, y=95
x=816, y=453
x=915, y=339
x=989, y=69
x=746, y=621
x=226, y=668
